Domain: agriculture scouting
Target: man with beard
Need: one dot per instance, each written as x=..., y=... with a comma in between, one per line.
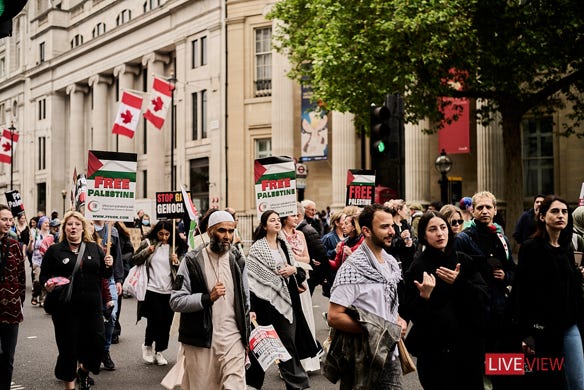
x=210, y=292
x=368, y=281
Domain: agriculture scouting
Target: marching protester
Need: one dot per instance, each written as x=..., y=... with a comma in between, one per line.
x=447, y=300
x=78, y=322
x=210, y=293
x=297, y=243
x=453, y=216
x=273, y=284
x=106, y=234
x=353, y=237
x=162, y=261
x=127, y=252
x=12, y=294
x=331, y=242
x=486, y=243
x=549, y=303
x=34, y=247
x=366, y=288
x=316, y=250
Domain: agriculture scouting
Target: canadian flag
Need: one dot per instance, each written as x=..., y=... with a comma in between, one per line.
x=8, y=146
x=128, y=115
x=160, y=102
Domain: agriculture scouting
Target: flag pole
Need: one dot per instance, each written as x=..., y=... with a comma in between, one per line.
x=172, y=80
x=12, y=129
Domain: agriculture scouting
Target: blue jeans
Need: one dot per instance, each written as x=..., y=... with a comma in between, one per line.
x=109, y=325
x=8, y=338
x=574, y=358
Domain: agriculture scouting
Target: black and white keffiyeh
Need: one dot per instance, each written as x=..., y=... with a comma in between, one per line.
x=264, y=280
x=361, y=268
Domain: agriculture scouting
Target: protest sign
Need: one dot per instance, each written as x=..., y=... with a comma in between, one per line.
x=170, y=205
x=14, y=201
x=267, y=347
x=360, y=187
x=275, y=185
x=111, y=185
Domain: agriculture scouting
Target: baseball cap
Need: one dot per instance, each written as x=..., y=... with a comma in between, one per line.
x=55, y=222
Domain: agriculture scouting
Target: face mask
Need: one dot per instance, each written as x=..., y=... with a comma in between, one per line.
x=146, y=222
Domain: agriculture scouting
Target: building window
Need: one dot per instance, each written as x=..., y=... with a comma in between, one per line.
x=263, y=61
x=194, y=53
x=144, y=183
x=203, y=51
x=199, y=179
x=123, y=17
x=42, y=52
x=204, y=114
x=42, y=163
x=41, y=197
x=2, y=67
x=76, y=41
x=151, y=4
x=538, y=156
x=195, y=110
x=263, y=147
x=2, y=113
x=42, y=109
x=98, y=30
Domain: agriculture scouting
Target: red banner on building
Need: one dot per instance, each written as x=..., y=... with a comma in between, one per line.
x=454, y=138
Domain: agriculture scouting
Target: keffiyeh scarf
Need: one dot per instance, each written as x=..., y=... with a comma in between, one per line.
x=264, y=280
x=360, y=268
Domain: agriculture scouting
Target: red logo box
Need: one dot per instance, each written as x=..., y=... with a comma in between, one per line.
x=504, y=364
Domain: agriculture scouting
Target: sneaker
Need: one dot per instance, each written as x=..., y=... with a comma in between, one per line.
x=160, y=359
x=148, y=354
x=108, y=363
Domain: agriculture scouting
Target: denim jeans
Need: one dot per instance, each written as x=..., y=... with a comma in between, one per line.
x=574, y=358
x=109, y=325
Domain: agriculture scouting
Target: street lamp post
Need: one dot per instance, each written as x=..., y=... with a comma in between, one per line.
x=12, y=131
x=64, y=195
x=443, y=165
x=172, y=81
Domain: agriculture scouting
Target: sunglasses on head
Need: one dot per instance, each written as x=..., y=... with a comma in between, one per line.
x=456, y=222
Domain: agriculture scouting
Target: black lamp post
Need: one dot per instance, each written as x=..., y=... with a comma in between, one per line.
x=172, y=81
x=64, y=195
x=443, y=165
x=12, y=131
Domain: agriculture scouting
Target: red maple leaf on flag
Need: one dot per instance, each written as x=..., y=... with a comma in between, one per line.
x=6, y=146
x=126, y=116
x=157, y=103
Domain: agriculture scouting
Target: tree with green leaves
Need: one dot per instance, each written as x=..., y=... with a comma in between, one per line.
x=517, y=57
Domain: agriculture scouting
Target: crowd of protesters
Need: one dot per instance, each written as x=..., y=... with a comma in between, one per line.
x=442, y=278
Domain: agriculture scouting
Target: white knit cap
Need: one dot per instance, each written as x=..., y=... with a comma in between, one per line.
x=218, y=217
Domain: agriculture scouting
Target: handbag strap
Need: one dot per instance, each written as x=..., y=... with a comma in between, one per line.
x=75, y=269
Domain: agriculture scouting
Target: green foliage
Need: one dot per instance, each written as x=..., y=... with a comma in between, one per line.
x=516, y=55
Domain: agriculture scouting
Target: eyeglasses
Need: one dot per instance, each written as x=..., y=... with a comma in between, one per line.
x=456, y=222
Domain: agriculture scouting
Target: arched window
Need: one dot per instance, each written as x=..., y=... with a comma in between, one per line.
x=123, y=17
x=98, y=30
x=76, y=41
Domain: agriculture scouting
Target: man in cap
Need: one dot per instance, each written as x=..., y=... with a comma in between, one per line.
x=416, y=212
x=210, y=292
x=54, y=228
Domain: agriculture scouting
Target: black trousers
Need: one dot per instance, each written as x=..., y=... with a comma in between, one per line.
x=8, y=338
x=159, y=315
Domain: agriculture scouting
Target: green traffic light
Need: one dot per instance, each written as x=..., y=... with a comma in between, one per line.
x=380, y=146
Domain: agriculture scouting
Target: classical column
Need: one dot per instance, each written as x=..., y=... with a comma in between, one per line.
x=100, y=119
x=490, y=157
x=77, y=149
x=157, y=150
x=126, y=75
x=282, y=105
x=418, y=163
x=344, y=155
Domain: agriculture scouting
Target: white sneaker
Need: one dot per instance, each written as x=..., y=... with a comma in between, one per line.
x=160, y=359
x=148, y=354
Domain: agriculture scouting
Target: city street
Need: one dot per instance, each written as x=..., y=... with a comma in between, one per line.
x=36, y=354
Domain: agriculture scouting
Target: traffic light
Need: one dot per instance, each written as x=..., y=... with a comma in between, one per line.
x=8, y=10
x=379, y=131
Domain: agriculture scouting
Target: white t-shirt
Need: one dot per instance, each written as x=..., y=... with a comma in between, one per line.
x=160, y=280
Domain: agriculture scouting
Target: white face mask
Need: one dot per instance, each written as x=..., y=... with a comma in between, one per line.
x=98, y=228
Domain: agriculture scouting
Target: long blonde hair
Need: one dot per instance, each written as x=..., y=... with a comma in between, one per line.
x=75, y=214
